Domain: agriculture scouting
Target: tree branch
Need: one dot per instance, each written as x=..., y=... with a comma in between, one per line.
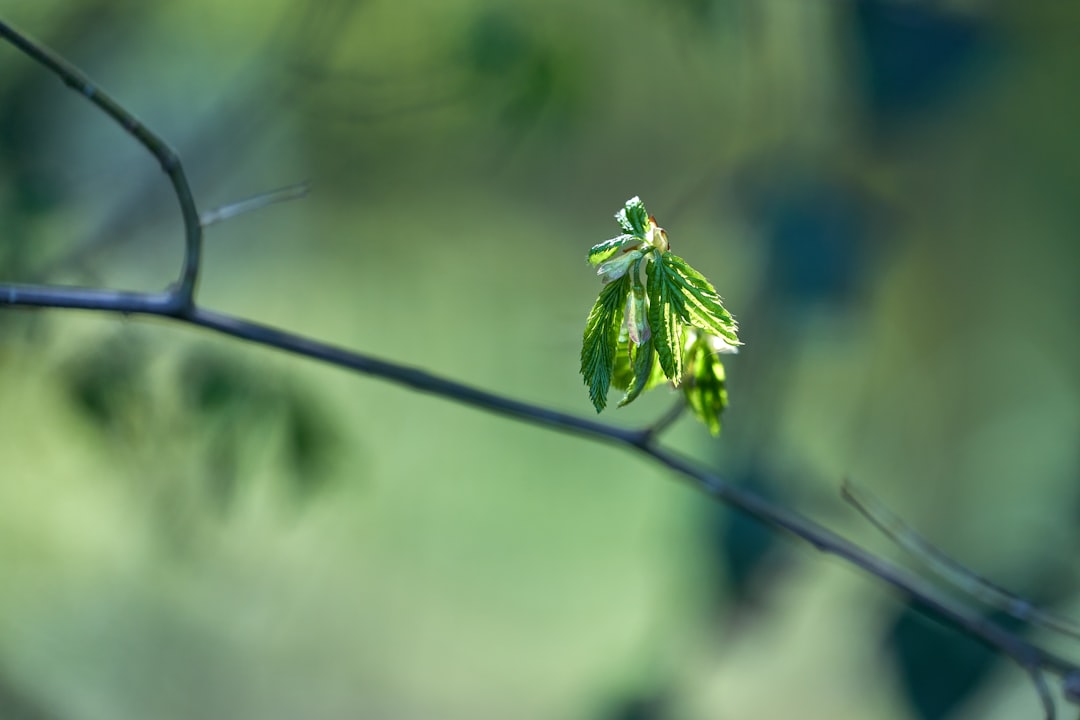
x=949, y=569
x=650, y=434
x=166, y=156
x=178, y=303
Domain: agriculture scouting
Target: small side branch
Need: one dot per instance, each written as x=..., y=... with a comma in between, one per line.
x=1038, y=679
x=949, y=569
x=257, y=202
x=649, y=435
x=184, y=289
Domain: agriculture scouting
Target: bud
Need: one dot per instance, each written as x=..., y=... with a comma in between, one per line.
x=616, y=267
x=636, y=319
x=655, y=236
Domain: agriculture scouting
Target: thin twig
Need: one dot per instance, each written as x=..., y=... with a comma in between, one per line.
x=1072, y=686
x=665, y=421
x=178, y=303
x=413, y=378
x=949, y=569
x=169, y=159
x=927, y=597
x=163, y=305
x=1038, y=679
x=256, y=202
x=77, y=298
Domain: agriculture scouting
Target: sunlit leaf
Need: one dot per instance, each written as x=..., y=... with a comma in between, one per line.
x=701, y=305
x=622, y=375
x=705, y=383
x=602, y=251
x=665, y=319
x=636, y=317
x=670, y=327
x=633, y=218
x=601, y=340
x=646, y=371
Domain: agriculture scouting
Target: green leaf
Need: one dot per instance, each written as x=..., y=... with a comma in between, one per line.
x=705, y=387
x=701, y=306
x=633, y=218
x=637, y=321
x=602, y=251
x=670, y=326
x=646, y=371
x=622, y=375
x=601, y=340
x=665, y=319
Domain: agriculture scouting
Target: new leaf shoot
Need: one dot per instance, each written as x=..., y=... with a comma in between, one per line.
x=670, y=325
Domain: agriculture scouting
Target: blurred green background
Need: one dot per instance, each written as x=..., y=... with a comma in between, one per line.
x=885, y=191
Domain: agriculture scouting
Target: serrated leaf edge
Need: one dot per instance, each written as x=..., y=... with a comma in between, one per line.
x=600, y=340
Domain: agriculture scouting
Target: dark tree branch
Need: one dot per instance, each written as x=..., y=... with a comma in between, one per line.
x=651, y=433
x=1038, y=679
x=178, y=303
x=948, y=569
x=119, y=301
x=166, y=156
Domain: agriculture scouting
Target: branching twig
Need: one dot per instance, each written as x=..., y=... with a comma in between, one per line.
x=183, y=293
x=949, y=569
x=1038, y=679
x=649, y=434
x=178, y=303
x=257, y=202
x=1072, y=686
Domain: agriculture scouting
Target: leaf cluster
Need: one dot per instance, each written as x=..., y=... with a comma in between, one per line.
x=656, y=320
